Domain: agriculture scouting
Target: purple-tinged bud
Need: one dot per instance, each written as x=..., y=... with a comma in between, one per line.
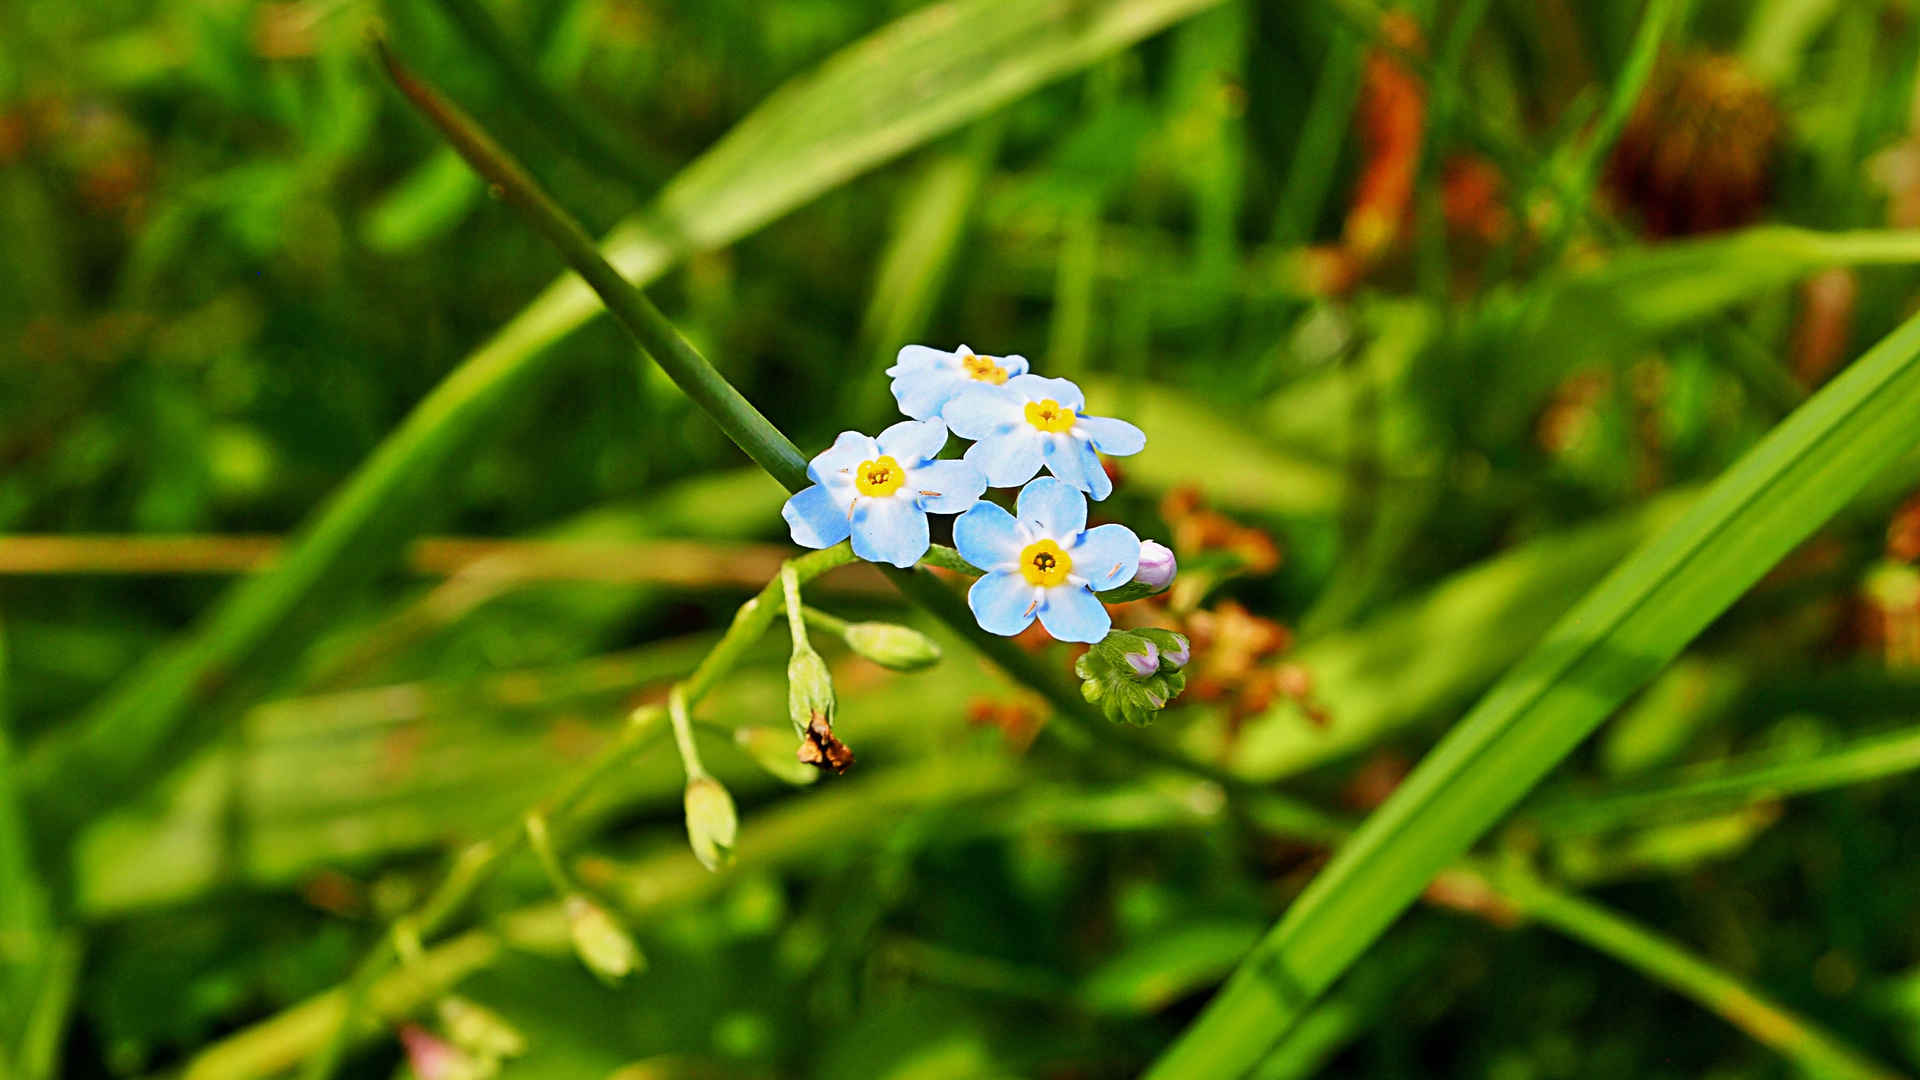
x=1157, y=565
x=1144, y=664
x=434, y=1058
x=1178, y=656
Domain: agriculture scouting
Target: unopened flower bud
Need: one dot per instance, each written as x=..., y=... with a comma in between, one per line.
x=892, y=646
x=1157, y=565
x=600, y=941
x=1145, y=662
x=809, y=691
x=479, y=1030
x=772, y=750
x=434, y=1058
x=711, y=822
x=1175, y=650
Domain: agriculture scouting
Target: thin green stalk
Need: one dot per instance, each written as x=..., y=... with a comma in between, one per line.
x=708, y=389
x=24, y=922
x=556, y=114
x=1316, y=154
x=1769, y=1023
x=1624, y=95
x=51, y=1009
x=683, y=734
x=1732, y=782
x=796, y=614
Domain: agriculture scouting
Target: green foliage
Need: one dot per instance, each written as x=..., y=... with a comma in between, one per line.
x=248, y=295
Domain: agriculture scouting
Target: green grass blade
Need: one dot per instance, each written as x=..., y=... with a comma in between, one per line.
x=1728, y=784
x=1625, y=630
x=896, y=89
x=1796, y=1038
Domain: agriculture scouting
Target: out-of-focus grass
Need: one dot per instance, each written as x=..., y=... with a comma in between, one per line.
x=233, y=267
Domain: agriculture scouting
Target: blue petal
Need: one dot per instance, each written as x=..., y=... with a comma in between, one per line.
x=956, y=485
x=988, y=537
x=1053, y=508
x=1013, y=365
x=911, y=442
x=814, y=519
x=1071, y=613
x=1098, y=484
x=1003, y=603
x=1106, y=556
x=1066, y=457
x=845, y=455
x=889, y=530
x=1036, y=388
x=1110, y=436
x=1007, y=460
x=977, y=410
x=919, y=358
x=921, y=394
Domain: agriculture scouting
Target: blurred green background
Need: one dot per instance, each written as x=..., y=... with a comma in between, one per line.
x=1431, y=314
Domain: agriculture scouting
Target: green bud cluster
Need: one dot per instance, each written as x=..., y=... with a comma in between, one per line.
x=1133, y=674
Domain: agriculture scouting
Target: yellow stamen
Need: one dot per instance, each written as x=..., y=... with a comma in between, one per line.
x=1049, y=415
x=983, y=369
x=1042, y=563
x=881, y=476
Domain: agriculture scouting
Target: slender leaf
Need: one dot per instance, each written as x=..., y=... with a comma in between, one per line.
x=1612, y=643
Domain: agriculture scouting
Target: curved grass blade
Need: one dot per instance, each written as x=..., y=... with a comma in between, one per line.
x=896, y=89
x=1730, y=784
x=1625, y=630
x=1794, y=1037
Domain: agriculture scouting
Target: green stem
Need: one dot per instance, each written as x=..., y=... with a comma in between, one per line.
x=796, y=616
x=540, y=840
x=820, y=620
x=710, y=390
x=1769, y=1023
x=556, y=114
x=683, y=734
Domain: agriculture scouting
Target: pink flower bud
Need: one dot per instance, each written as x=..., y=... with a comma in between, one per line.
x=1157, y=565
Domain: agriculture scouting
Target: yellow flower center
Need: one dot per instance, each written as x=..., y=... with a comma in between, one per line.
x=881, y=476
x=983, y=369
x=1043, y=563
x=1049, y=415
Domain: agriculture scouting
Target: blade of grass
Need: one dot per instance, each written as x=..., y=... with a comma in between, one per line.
x=1730, y=783
x=24, y=925
x=911, y=81
x=1625, y=630
x=1794, y=1037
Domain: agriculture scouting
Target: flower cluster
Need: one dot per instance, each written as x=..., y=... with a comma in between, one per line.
x=1041, y=562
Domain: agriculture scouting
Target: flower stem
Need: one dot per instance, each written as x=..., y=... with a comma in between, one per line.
x=710, y=390
x=683, y=732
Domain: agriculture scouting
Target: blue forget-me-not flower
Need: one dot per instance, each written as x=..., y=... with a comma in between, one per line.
x=1044, y=562
x=925, y=379
x=1030, y=422
x=880, y=491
